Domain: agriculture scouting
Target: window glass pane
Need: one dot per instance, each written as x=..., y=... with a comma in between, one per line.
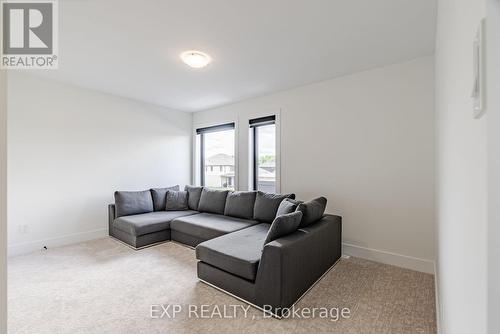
x=266, y=158
x=218, y=149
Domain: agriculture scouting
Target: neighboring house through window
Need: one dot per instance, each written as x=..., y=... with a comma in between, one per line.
x=263, y=139
x=217, y=151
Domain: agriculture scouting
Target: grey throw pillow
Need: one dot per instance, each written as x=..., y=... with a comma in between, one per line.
x=240, y=204
x=283, y=225
x=312, y=211
x=213, y=200
x=160, y=197
x=176, y=200
x=194, y=194
x=286, y=206
x=266, y=205
x=133, y=202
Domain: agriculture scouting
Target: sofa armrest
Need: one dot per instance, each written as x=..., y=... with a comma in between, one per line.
x=290, y=265
x=111, y=217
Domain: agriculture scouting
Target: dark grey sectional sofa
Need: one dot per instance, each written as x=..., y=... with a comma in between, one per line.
x=229, y=232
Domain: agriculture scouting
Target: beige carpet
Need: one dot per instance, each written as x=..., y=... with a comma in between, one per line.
x=103, y=286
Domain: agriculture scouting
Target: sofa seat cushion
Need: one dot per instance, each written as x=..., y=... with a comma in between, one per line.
x=209, y=225
x=148, y=222
x=237, y=253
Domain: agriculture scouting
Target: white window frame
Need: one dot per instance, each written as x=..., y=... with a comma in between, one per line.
x=196, y=170
x=277, y=122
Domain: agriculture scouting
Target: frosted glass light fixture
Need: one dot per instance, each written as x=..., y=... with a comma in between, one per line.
x=195, y=59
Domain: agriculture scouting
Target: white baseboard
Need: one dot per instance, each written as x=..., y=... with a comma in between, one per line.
x=399, y=260
x=409, y=262
x=438, y=301
x=37, y=245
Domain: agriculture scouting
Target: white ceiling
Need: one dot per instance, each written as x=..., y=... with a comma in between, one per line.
x=131, y=48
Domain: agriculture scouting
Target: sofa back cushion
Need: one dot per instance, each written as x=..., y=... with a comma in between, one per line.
x=240, y=204
x=266, y=205
x=194, y=194
x=283, y=225
x=312, y=211
x=133, y=202
x=212, y=200
x=287, y=205
x=160, y=197
x=176, y=200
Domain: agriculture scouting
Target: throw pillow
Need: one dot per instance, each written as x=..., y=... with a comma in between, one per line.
x=266, y=205
x=194, y=194
x=160, y=197
x=312, y=211
x=286, y=206
x=283, y=225
x=177, y=200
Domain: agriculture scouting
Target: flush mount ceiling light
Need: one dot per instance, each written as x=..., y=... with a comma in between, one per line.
x=195, y=59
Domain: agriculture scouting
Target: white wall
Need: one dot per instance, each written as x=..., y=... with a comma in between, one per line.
x=70, y=148
x=461, y=173
x=3, y=201
x=493, y=107
x=366, y=142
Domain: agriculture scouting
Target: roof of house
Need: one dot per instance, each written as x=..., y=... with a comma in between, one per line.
x=264, y=174
x=268, y=164
x=220, y=159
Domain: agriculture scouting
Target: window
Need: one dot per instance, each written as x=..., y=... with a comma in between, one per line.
x=216, y=156
x=263, y=138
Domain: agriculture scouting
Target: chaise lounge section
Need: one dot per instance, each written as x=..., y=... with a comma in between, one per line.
x=266, y=249
x=276, y=276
